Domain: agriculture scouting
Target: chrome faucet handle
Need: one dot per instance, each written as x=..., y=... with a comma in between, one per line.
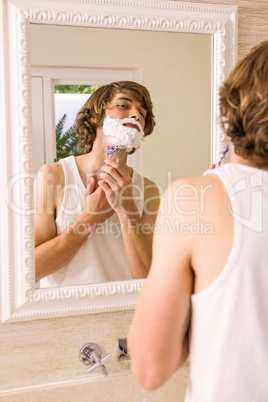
x=122, y=352
x=91, y=354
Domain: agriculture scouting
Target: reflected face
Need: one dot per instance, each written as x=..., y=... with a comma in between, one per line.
x=126, y=106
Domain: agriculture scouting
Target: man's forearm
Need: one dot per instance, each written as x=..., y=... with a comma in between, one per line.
x=138, y=244
x=57, y=252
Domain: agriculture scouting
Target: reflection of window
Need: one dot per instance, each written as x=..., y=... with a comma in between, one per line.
x=68, y=100
x=44, y=80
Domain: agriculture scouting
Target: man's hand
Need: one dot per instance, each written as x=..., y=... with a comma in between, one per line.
x=212, y=166
x=96, y=207
x=118, y=187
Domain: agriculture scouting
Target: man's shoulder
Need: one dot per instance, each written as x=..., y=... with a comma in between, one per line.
x=149, y=183
x=52, y=173
x=150, y=187
x=192, y=183
x=196, y=195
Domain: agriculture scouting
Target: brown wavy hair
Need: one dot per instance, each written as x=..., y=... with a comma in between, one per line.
x=93, y=112
x=244, y=106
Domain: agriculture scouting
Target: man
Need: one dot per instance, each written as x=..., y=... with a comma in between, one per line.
x=95, y=215
x=207, y=291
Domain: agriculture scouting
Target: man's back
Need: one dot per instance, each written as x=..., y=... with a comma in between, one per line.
x=227, y=342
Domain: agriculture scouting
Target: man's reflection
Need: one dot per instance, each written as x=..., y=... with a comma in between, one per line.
x=95, y=215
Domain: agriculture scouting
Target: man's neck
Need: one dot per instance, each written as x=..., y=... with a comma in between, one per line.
x=238, y=159
x=91, y=163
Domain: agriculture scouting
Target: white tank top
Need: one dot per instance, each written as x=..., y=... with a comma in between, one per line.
x=102, y=256
x=229, y=323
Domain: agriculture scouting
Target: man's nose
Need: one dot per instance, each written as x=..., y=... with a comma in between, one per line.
x=135, y=114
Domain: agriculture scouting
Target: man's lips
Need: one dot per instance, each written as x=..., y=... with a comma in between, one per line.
x=132, y=125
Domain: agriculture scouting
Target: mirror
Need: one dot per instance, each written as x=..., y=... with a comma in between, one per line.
x=175, y=67
x=21, y=301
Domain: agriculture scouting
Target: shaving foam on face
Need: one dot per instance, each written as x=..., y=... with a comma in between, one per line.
x=123, y=137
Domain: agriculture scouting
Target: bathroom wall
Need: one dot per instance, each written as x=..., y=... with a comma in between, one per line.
x=39, y=359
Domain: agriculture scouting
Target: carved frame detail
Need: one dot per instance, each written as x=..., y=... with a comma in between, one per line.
x=20, y=300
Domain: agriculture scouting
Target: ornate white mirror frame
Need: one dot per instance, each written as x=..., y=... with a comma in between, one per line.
x=20, y=300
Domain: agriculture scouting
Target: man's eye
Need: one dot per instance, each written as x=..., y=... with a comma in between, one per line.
x=123, y=106
x=142, y=114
